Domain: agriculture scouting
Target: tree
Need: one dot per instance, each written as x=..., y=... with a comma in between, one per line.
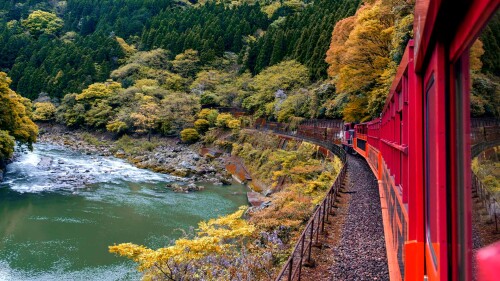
x=476, y=51
x=187, y=63
x=98, y=91
x=234, y=124
x=15, y=119
x=177, y=110
x=127, y=49
x=209, y=114
x=214, y=237
x=223, y=120
x=146, y=118
x=117, y=126
x=99, y=115
x=364, y=53
x=40, y=22
x=285, y=76
x=44, y=111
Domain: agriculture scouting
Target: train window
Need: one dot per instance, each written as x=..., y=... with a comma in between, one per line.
x=431, y=193
x=484, y=70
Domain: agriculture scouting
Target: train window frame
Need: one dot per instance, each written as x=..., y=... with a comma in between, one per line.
x=460, y=85
x=431, y=84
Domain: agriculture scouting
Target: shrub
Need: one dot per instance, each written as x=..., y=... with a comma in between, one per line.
x=201, y=125
x=234, y=124
x=209, y=114
x=189, y=135
x=208, y=99
x=91, y=139
x=117, y=126
x=44, y=111
x=223, y=120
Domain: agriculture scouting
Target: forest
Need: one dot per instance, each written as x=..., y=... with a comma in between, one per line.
x=171, y=68
x=149, y=67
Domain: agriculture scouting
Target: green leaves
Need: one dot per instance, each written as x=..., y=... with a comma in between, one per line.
x=40, y=22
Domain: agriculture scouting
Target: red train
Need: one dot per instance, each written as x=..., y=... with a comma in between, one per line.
x=348, y=137
x=419, y=149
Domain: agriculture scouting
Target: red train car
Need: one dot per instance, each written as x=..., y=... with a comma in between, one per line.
x=419, y=148
x=348, y=137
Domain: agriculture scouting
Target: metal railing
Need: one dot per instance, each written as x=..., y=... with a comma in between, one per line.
x=302, y=253
x=488, y=200
x=281, y=128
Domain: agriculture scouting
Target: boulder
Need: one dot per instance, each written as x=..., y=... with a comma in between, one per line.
x=256, y=199
x=175, y=187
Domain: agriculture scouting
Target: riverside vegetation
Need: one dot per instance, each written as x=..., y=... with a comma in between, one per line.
x=251, y=243
x=139, y=71
x=487, y=168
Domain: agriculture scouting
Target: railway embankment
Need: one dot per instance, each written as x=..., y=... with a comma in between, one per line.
x=354, y=247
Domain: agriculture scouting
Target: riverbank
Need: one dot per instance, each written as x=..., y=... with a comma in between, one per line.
x=160, y=154
x=62, y=208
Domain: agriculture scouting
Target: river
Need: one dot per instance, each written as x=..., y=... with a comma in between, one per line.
x=60, y=210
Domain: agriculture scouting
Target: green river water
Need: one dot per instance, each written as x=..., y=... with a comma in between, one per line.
x=54, y=228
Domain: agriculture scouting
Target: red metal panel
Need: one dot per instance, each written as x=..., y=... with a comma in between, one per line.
x=415, y=265
x=460, y=180
x=471, y=25
x=435, y=166
x=425, y=17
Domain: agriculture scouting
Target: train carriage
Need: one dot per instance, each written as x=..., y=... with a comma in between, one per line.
x=419, y=148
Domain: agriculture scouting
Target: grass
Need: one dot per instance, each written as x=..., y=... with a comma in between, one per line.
x=135, y=146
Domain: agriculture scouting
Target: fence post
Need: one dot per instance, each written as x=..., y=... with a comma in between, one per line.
x=323, y=221
x=290, y=268
x=309, y=260
x=495, y=216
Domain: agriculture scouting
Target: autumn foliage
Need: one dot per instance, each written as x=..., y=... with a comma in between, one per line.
x=364, y=53
x=251, y=243
x=15, y=119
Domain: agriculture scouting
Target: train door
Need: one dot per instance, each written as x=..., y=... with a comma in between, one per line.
x=435, y=220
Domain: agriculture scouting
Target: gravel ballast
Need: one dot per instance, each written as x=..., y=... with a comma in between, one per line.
x=361, y=253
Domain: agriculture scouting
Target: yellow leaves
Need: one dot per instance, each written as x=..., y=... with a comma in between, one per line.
x=15, y=113
x=98, y=91
x=214, y=237
x=127, y=49
x=44, y=111
x=227, y=227
x=335, y=56
x=234, y=124
x=223, y=119
x=39, y=22
x=129, y=250
x=488, y=170
x=189, y=135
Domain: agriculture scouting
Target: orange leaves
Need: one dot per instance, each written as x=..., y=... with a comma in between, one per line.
x=335, y=56
x=361, y=53
x=476, y=51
